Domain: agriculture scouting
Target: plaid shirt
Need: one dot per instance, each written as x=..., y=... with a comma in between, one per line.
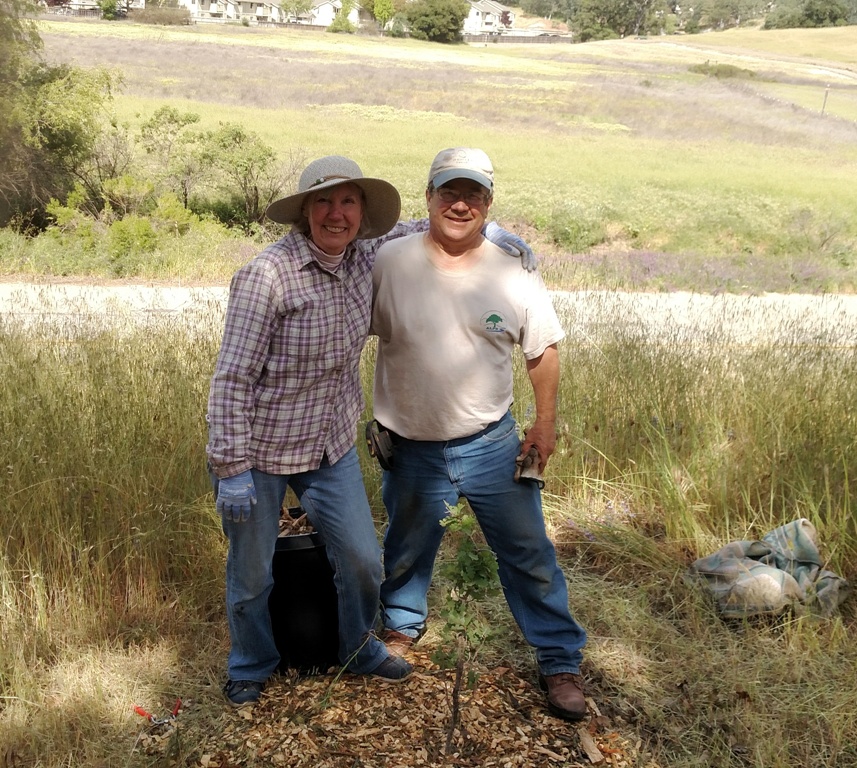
x=286, y=387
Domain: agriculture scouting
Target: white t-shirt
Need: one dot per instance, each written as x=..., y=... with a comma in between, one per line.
x=445, y=339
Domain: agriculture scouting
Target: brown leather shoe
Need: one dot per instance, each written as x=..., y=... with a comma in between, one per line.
x=397, y=643
x=565, y=695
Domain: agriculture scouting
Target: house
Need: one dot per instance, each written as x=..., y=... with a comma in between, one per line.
x=487, y=17
x=318, y=13
x=325, y=11
x=210, y=10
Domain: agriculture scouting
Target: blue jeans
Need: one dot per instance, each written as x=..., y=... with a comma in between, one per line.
x=334, y=499
x=427, y=475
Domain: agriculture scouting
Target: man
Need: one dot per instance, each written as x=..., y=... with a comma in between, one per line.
x=448, y=309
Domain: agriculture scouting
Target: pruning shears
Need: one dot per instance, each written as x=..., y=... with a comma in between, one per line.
x=159, y=720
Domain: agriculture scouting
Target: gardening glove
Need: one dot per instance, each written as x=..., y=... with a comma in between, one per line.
x=512, y=244
x=527, y=467
x=236, y=496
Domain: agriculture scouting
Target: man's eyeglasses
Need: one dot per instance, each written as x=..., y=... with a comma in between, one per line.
x=471, y=198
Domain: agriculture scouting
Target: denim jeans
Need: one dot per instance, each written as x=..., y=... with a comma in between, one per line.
x=334, y=499
x=427, y=475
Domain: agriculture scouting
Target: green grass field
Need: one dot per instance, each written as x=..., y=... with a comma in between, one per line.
x=606, y=153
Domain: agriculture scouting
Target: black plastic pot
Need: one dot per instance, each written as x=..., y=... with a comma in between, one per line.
x=303, y=604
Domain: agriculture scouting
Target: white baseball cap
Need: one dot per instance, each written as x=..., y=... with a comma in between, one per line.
x=461, y=163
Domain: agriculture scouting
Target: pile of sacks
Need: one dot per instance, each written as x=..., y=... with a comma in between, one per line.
x=781, y=571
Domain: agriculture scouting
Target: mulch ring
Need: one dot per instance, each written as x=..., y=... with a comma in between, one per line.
x=361, y=722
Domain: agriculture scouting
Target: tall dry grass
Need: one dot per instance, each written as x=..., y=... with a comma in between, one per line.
x=673, y=443
x=110, y=569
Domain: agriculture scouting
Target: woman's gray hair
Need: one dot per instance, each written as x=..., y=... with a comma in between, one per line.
x=302, y=226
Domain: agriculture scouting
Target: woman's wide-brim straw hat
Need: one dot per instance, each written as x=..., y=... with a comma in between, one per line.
x=383, y=203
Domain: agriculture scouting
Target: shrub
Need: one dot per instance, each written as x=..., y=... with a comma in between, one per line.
x=439, y=21
x=341, y=22
x=172, y=217
x=129, y=241
x=109, y=9
x=576, y=230
x=722, y=71
x=399, y=27
x=73, y=228
x=162, y=16
x=129, y=194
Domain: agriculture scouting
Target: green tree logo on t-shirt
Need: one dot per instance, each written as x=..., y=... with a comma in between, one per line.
x=493, y=322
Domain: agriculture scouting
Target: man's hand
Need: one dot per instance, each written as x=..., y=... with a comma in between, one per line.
x=527, y=467
x=542, y=435
x=544, y=376
x=236, y=496
x=512, y=244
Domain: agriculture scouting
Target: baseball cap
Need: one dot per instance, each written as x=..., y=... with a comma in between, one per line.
x=461, y=163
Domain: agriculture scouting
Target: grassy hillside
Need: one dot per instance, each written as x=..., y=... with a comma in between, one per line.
x=698, y=162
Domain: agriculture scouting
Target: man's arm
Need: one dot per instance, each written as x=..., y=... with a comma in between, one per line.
x=544, y=377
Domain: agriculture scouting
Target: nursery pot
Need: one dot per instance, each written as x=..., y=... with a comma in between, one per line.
x=303, y=605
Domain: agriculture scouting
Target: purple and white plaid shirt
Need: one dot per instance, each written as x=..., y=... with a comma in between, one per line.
x=286, y=386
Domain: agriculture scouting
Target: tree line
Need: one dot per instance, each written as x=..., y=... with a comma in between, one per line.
x=605, y=19
x=63, y=149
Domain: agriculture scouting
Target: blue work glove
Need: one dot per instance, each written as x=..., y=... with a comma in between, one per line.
x=512, y=244
x=236, y=496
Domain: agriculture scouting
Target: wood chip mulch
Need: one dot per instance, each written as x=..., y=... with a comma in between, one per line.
x=351, y=721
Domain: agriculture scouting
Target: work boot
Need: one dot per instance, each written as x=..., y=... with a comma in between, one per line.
x=240, y=693
x=393, y=669
x=565, y=695
x=397, y=643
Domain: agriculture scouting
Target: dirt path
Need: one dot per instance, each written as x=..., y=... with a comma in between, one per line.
x=679, y=316
x=724, y=318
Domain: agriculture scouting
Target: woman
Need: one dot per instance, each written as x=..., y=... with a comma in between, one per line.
x=285, y=399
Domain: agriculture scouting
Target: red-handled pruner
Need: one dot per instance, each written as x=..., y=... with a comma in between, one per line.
x=159, y=720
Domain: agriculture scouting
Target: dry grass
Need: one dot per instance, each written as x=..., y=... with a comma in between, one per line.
x=808, y=46
x=684, y=426
x=624, y=84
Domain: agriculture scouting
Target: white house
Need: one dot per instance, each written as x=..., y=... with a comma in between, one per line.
x=320, y=13
x=325, y=11
x=215, y=10
x=488, y=17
